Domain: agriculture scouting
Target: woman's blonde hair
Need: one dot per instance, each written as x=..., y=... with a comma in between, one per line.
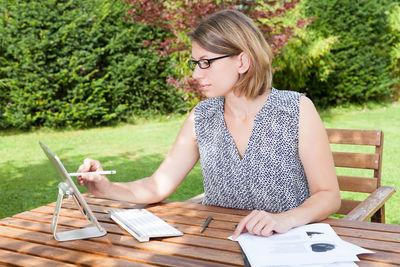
x=231, y=32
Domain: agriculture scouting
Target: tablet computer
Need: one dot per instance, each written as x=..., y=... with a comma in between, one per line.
x=68, y=187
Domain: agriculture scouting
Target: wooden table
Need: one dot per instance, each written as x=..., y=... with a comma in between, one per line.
x=26, y=238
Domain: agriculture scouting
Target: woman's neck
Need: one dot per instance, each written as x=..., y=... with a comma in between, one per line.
x=243, y=108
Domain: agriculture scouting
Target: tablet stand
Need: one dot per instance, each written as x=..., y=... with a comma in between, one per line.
x=88, y=232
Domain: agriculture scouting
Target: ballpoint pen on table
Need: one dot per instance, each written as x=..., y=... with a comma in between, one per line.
x=208, y=220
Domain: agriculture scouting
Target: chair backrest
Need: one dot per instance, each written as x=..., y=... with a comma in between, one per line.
x=370, y=160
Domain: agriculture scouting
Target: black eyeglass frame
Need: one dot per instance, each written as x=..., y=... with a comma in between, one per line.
x=192, y=63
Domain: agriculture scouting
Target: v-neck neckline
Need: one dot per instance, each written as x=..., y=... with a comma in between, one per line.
x=249, y=143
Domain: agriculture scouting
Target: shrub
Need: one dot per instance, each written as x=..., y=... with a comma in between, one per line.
x=305, y=60
x=78, y=63
x=394, y=21
x=353, y=62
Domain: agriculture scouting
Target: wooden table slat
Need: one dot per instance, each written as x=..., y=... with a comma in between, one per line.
x=62, y=254
x=367, y=234
x=374, y=244
x=381, y=257
x=190, y=206
x=375, y=264
x=162, y=210
x=11, y=258
x=391, y=228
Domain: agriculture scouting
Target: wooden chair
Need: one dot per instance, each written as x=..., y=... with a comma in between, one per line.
x=373, y=206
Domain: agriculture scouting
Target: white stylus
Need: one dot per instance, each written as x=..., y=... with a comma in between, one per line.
x=100, y=172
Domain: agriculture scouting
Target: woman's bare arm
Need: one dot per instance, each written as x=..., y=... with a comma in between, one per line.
x=177, y=164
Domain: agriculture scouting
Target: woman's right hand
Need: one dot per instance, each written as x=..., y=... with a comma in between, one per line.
x=95, y=183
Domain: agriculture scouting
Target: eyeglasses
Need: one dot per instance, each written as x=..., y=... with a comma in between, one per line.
x=203, y=63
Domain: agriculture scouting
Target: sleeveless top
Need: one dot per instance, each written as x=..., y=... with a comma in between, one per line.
x=270, y=176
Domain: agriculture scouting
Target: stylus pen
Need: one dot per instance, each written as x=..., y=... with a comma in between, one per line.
x=206, y=224
x=100, y=172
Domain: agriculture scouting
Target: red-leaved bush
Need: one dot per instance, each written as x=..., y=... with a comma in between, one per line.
x=178, y=17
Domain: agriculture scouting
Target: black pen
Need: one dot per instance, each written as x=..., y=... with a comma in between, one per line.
x=208, y=220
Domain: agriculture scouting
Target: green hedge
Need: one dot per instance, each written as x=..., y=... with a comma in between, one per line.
x=78, y=63
x=344, y=55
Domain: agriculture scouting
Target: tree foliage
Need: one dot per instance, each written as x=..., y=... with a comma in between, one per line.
x=78, y=63
x=353, y=63
x=178, y=17
x=394, y=23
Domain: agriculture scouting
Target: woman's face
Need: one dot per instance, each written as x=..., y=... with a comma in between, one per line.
x=219, y=79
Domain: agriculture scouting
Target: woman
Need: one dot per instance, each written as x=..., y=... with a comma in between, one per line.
x=260, y=148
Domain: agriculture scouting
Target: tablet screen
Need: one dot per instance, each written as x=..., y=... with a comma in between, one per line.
x=66, y=178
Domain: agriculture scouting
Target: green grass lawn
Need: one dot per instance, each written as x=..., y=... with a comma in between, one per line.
x=135, y=151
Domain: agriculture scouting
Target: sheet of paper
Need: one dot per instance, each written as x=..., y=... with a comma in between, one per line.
x=335, y=264
x=309, y=244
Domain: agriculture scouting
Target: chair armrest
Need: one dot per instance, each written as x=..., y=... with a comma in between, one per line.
x=371, y=204
x=196, y=199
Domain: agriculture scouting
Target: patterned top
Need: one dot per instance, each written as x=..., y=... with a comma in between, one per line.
x=270, y=175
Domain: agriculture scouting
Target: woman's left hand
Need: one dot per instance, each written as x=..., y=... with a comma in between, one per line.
x=263, y=223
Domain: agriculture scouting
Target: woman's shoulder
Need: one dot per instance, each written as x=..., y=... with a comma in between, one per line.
x=285, y=100
x=209, y=107
x=286, y=95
